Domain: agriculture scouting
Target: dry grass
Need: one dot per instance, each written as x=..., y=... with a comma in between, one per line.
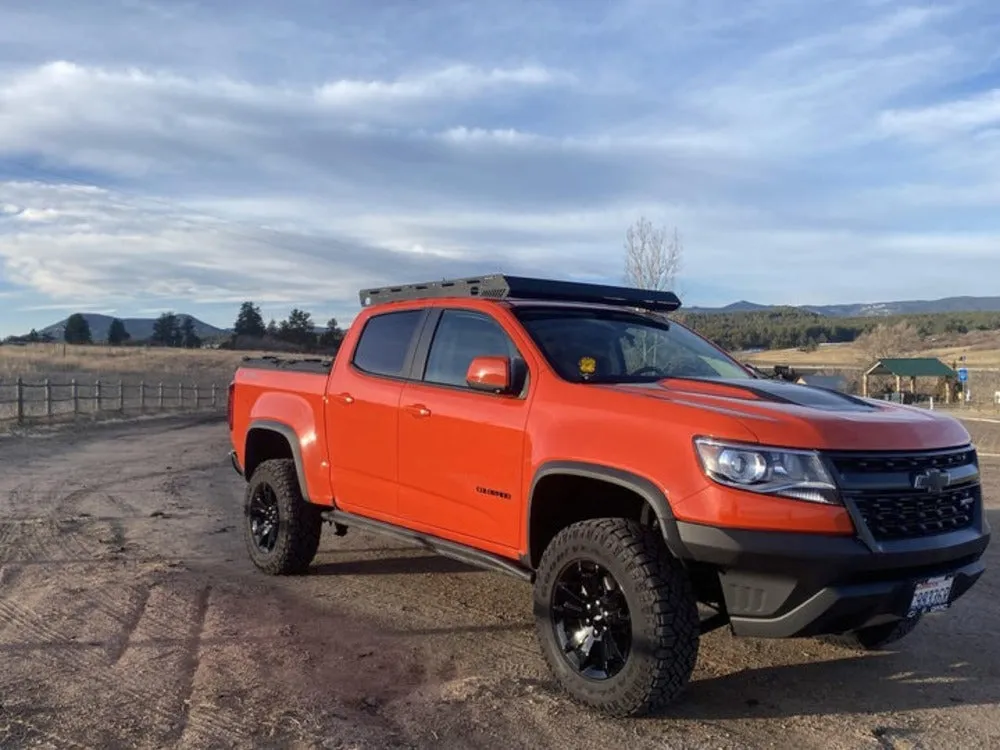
x=131, y=364
x=980, y=352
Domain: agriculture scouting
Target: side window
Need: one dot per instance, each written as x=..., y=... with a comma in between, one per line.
x=385, y=341
x=461, y=336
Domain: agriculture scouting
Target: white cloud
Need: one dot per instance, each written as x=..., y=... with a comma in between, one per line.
x=945, y=120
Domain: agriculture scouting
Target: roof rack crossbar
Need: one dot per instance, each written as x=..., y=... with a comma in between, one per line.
x=501, y=286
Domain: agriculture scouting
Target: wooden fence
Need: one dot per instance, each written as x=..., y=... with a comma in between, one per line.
x=23, y=402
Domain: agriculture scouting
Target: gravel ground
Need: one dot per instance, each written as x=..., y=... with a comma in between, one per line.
x=131, y=618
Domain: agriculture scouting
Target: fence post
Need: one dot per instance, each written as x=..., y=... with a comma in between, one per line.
x=159, y=398
x=48, y=399
x=121, y=396
x=97, y=396
x=19, y=390
x=180, y=395
x=215, y=402
x=142, y=396
x=197, y=398
x=74, y=394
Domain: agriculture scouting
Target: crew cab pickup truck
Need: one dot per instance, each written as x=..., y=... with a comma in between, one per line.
x=644, y=483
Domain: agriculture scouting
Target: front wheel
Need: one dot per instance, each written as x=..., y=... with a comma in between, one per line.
x=281, y=530
x=616, y=616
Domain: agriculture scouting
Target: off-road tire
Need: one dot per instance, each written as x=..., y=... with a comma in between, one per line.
x=877, y=637
x=662, y=607
x=299, y=523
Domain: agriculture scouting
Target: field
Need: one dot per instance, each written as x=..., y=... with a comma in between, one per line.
x=981, y=349
x=130, y=617
x=188, y=376
x=134, y=363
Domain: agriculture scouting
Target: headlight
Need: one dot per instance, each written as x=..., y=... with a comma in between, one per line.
x=773, y=471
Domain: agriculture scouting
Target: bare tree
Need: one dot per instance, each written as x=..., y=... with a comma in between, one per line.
x=652, y=261
x=885, y=341
x=652, y=257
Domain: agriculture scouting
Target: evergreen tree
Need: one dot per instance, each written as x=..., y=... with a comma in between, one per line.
x=167, y=331
x=298, y=329
x=332, y=336
x=249, y=322
x=77, y=330
x=189, y=337
x=117, y=335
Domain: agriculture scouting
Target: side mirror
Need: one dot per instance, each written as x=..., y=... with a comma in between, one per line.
x=490, y=374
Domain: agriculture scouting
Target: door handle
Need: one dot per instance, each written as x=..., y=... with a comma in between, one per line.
x=418, y=410
x=345, y=398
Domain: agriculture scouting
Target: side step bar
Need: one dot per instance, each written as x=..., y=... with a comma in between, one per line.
x=443, y=547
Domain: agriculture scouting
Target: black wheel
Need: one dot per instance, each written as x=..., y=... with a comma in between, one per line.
x=282, y=531
x=877, y=637
x=616, y=616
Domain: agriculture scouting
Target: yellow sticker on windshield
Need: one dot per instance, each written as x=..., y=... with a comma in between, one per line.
x=588, y=365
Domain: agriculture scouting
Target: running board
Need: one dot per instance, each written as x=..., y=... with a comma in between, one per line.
x=443, y=547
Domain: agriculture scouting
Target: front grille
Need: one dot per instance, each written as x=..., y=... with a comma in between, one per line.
x=891, y=515
x=891, y=463
x=886, y=489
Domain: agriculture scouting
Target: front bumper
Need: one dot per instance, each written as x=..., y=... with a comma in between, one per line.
x=785, y=585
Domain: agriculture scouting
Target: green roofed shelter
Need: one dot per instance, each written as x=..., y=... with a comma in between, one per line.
x=912, y=368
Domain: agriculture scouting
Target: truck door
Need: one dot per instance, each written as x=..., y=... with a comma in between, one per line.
x=461, y=451
x=362, y=418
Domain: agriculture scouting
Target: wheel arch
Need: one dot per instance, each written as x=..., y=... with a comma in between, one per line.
x=267, y=439
x=556, y=480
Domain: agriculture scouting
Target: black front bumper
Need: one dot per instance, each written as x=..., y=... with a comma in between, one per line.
x=785, y=585
x=235, y=461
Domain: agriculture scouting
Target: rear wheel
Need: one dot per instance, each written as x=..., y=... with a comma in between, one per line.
x=281, y=530
x=616, y=616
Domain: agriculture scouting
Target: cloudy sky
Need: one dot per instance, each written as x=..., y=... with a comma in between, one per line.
x=187, y=155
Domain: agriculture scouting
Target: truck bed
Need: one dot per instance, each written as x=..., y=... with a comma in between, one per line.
x=317, y=365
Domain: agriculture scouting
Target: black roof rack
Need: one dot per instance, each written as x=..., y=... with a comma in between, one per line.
x=501, y=286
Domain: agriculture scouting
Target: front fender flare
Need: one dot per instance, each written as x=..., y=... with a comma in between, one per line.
x=646, y=489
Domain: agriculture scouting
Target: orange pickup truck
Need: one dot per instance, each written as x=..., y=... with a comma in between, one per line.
x=648, y=486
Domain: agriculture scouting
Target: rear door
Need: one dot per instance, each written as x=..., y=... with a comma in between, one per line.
x=461, y=451
x=363, y=413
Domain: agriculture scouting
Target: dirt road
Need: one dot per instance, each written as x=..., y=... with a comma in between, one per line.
x=130, y=617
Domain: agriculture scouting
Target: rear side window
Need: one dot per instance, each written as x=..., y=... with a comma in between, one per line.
x=385, y=342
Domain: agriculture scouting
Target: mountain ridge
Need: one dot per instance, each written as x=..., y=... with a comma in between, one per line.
x=865, y=309
x=139, y=329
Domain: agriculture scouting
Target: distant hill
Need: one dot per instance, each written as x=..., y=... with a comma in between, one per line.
x=139, y=329
x=870, y=309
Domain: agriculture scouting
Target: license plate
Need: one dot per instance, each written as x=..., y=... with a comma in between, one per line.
x=931, y=595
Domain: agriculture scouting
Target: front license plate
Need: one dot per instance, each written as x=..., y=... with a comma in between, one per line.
x=931, y=595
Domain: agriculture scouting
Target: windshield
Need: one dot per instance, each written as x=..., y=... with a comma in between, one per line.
x=612, y=346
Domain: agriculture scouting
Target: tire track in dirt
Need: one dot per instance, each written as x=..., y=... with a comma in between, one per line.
x=189, y=668
x=124, y=679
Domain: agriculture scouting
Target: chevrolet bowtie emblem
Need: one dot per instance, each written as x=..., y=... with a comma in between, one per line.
x=932, y=480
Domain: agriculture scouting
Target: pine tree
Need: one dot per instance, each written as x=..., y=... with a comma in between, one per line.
x=189, y=337
x=77, y=330
x=117, y=335
x=249, y=322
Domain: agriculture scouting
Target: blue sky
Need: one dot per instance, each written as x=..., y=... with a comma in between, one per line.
x=189, y=155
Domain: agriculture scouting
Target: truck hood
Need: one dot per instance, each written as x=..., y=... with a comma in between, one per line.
x=787, y=414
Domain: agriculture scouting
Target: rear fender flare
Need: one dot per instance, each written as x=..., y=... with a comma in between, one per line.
x=292, y=438
x=655, y=498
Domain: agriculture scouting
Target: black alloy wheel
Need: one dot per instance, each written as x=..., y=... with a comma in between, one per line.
x=281, y=529
x=616, y=616
x=262, y=515
x=591, y=620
